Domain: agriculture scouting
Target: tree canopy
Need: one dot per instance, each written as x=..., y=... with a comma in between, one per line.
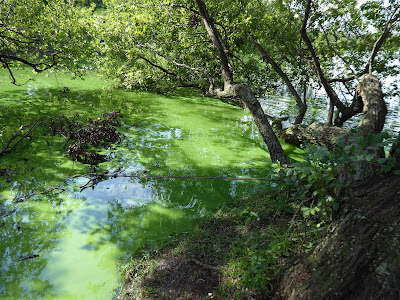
x=171, y=34
x=160, y=45
x=43, y=35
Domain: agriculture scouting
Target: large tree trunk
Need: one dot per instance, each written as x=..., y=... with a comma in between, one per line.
x=374, y=111
x=243, y=93
x=360, y=258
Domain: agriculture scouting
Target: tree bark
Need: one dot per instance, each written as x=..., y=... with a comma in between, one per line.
x=216, y=39
x=317, y=133
x=374, y=109
x=359, y=259
x=243, y=93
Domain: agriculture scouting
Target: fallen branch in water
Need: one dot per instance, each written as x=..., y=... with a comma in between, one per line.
x=28, y=256
x=182, y=177
x=9, y=212
x=53, y=188
x=79, y=135
x=23, y=199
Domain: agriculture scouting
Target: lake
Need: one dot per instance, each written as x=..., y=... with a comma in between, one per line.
x=77, y=239
x=81, y=236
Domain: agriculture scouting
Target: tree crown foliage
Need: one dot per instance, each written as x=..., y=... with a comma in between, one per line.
x=44, y=35
x=162, y=44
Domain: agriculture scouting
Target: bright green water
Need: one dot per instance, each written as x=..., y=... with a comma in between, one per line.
x=82, y=236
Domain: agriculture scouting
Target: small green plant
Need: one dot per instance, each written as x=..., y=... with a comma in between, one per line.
x=314, y=182
x=250, y=215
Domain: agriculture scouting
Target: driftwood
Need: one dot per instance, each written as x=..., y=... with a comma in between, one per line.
x=359, y=259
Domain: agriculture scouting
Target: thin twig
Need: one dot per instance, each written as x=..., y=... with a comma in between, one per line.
x=28, y=256
x=54, y=188
x=18, y=137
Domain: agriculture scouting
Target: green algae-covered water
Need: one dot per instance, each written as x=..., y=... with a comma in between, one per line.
x=77, y=238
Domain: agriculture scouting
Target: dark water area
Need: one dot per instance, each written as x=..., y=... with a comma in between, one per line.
x=79, y=237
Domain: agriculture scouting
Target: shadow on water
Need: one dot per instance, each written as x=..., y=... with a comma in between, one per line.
x=80, y=236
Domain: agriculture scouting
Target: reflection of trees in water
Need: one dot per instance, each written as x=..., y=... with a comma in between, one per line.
x=32, y=230
x=175, y=205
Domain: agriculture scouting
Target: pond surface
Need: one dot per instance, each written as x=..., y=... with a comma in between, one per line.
x=81, y=236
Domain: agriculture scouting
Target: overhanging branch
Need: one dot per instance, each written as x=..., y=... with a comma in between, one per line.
x=301, y=105
x=394, y=17
x=197, y=70
x=320, y=74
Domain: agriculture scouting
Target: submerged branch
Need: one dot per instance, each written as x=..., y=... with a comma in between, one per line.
x=9, y=212
x=54, y=188
x=97, y=133
x=19, y=136
x=183, y=177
